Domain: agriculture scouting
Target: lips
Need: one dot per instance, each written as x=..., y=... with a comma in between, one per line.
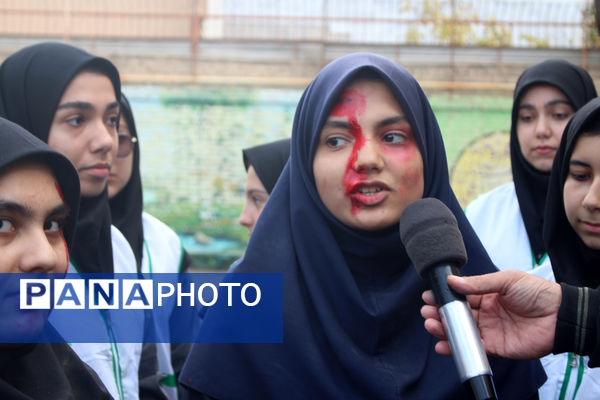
x=100, y=170
x=369, y=193
x=591, y=227
x=545, y=149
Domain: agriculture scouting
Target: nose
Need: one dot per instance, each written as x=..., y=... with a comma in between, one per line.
x=40, y=255
x=542, y=129
x=104, y=138
x=591, y=201
x=246, y=217
x=369, y=157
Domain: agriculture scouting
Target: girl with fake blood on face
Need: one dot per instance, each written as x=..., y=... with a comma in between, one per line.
x=365, y=144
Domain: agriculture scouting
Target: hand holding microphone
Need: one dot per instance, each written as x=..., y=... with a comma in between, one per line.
x=516, y=313
x=430, y=234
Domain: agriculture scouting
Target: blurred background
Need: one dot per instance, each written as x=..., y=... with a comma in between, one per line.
x=207, y=78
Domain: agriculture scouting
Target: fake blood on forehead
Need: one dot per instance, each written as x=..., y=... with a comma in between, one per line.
x=351, y=105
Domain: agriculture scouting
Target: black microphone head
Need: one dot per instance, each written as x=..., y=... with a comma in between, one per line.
x=430, y=234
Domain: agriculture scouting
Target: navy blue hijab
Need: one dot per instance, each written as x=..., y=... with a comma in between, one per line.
x=352, y=327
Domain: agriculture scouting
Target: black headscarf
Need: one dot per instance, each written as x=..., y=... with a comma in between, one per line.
x=351, y=299
x=32, y=82
x=18, y=145
x=531, y=184
x=126, y=206
x=44, y=370
x=572, y=261
x=268, y=161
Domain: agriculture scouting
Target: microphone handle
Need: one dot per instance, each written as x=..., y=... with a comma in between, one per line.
x=462, y=333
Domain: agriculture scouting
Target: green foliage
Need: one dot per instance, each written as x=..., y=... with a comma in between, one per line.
x=536, y=42
x=190, y=96
x=185, y=218
x=496, y=35
x=592, y=39
x=413, y=36
x=451, y=28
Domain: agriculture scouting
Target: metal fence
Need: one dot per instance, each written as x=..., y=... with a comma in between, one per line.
x=487, y=23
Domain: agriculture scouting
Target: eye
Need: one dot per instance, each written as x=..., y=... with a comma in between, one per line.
x=526, y=117
x=112, y=120
x=75, y=121
x=6, y=225
x=561, y=115
x=580, y=177
x=53, y=226
x=335, y=142
x=394, y=138
x=258, y=201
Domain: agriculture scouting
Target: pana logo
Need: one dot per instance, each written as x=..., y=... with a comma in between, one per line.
x=129, y=294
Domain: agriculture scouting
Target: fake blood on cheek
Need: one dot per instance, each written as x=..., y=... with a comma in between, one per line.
x=351, y=105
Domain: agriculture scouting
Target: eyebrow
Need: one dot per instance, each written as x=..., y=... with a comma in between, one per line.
x=61, y=209
x=578, y=163
x=548, y=104
x=392, y=120
x=346, y=125
x=11, y=206
x=256, y=191
x=337, y=124
x=114, y=104
x=82, y=105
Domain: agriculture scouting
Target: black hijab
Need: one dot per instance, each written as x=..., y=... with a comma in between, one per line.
x=18, y=145
x=32, y=81
x=572, y=261
x=531, y=184
x=126, y=206
x=268, y=161
x=44, y=370
x=352, y=327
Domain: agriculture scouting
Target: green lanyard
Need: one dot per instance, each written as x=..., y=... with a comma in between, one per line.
x=148, y=255
x=117, y=372
x=534, y=263
x=572, y=362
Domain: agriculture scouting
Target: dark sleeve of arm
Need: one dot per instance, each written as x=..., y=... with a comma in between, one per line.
x=578, y=324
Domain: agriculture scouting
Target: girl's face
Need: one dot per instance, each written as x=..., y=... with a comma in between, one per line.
x=256, y=197
x=581, y=192
x=32, y=214
x=368, y=166
x=120, y=173
x=542, y=116
x=84, y=129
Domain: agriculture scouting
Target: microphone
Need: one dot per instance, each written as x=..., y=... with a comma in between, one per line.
x=430, y=234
